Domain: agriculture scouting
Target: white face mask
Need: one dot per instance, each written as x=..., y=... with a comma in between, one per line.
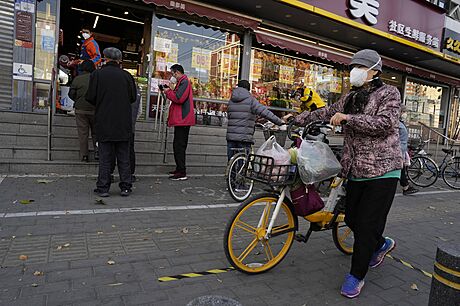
x=404, y=117
x=173, y=80
x=86, y=36
x=358, y=76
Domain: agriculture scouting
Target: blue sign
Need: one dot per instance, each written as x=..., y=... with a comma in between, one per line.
x=48, y=43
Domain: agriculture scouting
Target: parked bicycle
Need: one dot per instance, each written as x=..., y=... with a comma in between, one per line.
x=239, y=186
x=424, y=171
x=261, y=231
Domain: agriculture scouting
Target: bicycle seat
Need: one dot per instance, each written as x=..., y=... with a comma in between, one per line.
x=447, y=151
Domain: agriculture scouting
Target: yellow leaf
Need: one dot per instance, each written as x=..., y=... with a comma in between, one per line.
x=23, y=257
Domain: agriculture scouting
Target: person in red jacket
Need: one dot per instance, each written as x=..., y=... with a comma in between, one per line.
x=90, y=48
x=181, y=117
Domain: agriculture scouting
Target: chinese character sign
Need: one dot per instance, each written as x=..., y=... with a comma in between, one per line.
x=369, y=9
x=413, y=34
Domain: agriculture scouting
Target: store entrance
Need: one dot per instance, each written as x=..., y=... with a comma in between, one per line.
x=119, y=24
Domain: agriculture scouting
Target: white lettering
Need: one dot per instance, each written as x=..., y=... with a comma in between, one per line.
x=365, y=8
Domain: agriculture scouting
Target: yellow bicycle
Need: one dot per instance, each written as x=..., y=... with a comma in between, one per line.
x=261, y=231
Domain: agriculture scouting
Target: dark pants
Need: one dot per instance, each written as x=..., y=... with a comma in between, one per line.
x=367, y=206
x=85, y=123
x=233, y=146
x=180, y=146
x=108, y=153
x=132, y=157
x=403, y=181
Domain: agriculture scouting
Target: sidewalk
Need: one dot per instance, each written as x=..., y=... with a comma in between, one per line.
x=83, y=253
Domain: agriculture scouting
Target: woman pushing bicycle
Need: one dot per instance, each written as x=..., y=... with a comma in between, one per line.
x=371, y=161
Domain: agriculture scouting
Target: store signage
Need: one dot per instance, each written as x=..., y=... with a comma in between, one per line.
x=23, y=26
x=369, y=9
x=162, y=44
x=25, y=5
x=413, y=34
x=377, y=14
x=22, y=72
x=453, y=45
x=201, y=58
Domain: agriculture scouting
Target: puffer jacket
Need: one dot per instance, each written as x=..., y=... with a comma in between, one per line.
x=371, y=143
x=242, y=111
x=78, y=91
x=181, y=110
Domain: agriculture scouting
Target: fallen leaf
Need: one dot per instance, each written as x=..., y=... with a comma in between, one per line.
x=111, y=262
x=29, y=234
x=100, y=233
x=414, y=287
x=99, y=202
x=25, y=202
x=322, y=252
x=59, y=247
x=113, y=226
x=66, y=245
x=23, y=257
x=12, y=237
x=44, y=181
x=184, y=230
x=159, y=231
x=34, y=285
x=177, y=250
x=431, y=207
x=219, y=280
x=115, y=284
x=38, y=273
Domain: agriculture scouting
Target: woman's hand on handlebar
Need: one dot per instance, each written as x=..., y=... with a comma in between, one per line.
x=339, y=119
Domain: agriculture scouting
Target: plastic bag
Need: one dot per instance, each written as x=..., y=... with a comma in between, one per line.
x=67, y=104
x=280, y=156
x=316, y=162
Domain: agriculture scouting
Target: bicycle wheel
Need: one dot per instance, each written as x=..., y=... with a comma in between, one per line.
x=422, y=171
x=245, y=244
x=239, y=187
x=451, y=173
x=343, y=238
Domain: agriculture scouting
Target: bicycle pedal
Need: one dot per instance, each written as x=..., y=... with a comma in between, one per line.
x=300, y=238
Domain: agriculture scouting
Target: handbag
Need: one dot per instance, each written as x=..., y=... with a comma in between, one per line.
x=306, y=200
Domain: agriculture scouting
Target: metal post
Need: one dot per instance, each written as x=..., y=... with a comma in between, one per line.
x=246, y=58
x=150, y=68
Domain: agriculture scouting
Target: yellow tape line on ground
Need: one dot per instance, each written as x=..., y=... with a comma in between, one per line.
x=193, y=274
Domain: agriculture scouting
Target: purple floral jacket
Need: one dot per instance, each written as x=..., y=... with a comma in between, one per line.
x=371, y=143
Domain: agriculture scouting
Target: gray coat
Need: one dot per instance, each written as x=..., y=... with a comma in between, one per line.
x=242, y=111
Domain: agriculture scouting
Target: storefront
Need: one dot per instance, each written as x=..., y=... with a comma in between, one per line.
x=278, y=46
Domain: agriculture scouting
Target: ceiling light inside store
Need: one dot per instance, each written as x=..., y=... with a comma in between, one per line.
x=126, y=12
x=335, y=30
x=373, y=43
x=79, y=37
x=312, y=23
x=95, y=21
x=105, y=15
x=355, y=37
x=258, y=6
x=393, y=78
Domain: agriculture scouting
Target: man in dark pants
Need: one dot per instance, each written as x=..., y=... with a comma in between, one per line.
x=181, y=117
x=112, y=90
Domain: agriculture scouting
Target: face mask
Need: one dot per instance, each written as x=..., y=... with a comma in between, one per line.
x=173, y=80
x=358, y=76
x=86, y=35
x=404, y=116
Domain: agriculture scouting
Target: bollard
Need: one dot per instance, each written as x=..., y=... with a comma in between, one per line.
x=445, y=284
x=213, y=300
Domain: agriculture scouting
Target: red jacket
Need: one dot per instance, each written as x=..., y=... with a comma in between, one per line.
x=90, y=51
x=181, y=111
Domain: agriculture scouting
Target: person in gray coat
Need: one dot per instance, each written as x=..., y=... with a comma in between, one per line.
x=242, y=111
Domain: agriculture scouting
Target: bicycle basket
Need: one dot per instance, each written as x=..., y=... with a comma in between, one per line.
x=280, y=136
x=263, y=169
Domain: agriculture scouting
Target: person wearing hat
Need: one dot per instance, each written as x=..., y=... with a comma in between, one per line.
x=112, y=90
x=309, y=99
x=371, y=161
x=242, y=111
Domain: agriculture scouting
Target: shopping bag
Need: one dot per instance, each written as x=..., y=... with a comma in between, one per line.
x=306, y=200
x=281, y=156
x=316, y=162
x=67, y=104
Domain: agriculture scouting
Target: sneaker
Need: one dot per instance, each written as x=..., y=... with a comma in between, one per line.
x=410, y=190
x=125, y=192
x=179, y=176
x=351, y=287
x=172, y=172
x=102, y=194
x=379, y=256
x=85, y=159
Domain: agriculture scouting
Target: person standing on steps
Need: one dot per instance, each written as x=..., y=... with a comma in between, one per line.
x=89, y=48
x=112, y=90
x=84, y=111
x=371, y=161
x=181, y=117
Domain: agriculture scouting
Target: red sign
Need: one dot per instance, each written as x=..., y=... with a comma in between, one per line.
x=413, y=20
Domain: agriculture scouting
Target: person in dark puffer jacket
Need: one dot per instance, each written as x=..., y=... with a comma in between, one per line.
x=242, y=111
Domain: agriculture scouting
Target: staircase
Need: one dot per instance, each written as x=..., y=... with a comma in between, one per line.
x=23, y=147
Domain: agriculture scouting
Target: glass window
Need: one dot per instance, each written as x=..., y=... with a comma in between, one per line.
x=45, y=39
x=210, y=57
x=424, y=104
x=274, y=77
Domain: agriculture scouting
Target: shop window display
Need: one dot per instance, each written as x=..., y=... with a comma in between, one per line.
x=275, y=77
x=424, y=104
x=210, y=57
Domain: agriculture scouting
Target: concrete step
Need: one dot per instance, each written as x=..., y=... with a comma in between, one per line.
x=74, y=168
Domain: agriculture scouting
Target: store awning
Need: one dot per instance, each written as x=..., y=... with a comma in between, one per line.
x=208, y=11
x=303, y=46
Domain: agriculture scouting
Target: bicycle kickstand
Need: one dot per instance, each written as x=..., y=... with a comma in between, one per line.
x=304, y=238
